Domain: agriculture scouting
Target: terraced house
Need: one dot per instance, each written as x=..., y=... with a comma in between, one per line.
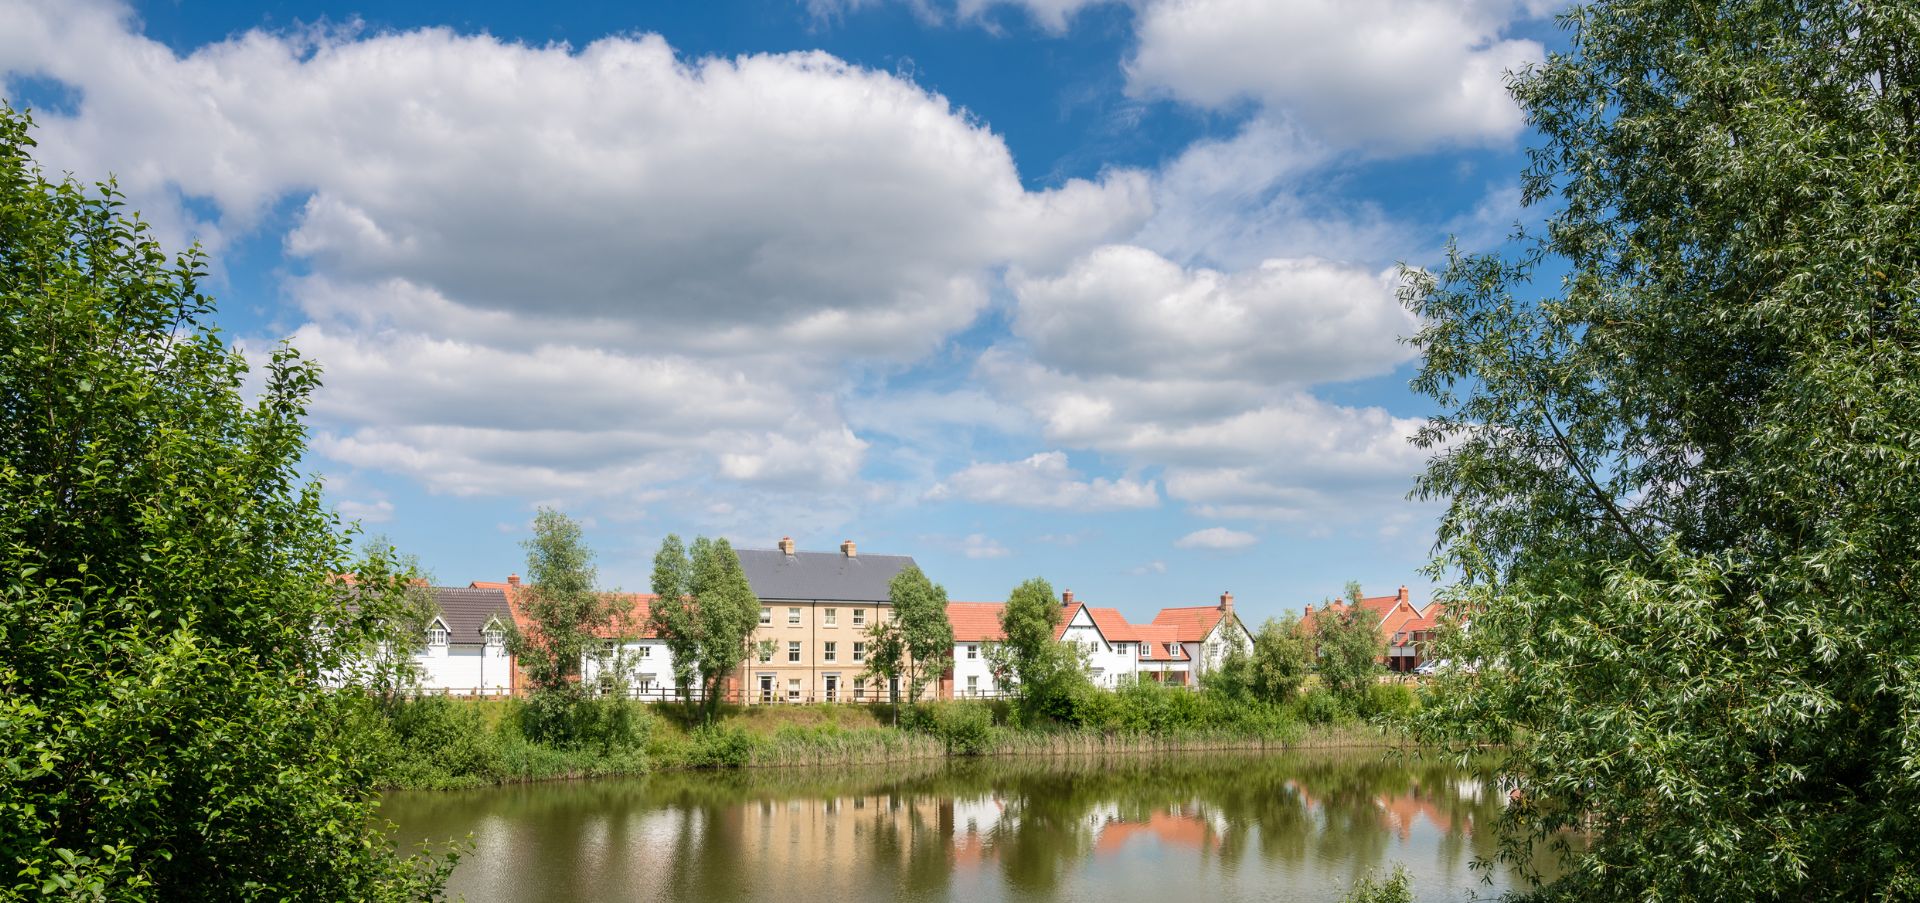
x=815, y=609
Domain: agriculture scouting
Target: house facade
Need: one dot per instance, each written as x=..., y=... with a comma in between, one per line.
x=976, y=628
x=1403, y=628
x=1163, y=659
x=1205, y=634
x=815, y=610
x=1104, y=635
x=465, y=653
x=634, y=653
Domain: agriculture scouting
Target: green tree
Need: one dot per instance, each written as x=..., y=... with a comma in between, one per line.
x=1347, y=647
x=672, y=614
x=916, y=643
x=171, y=601
x=705, y=615
x=1278, y=663
x=1683, y=476
x=728, y=613
x=568, y=617
x=1048, y=675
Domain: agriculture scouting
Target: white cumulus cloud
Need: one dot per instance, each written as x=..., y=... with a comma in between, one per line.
x=1216, y=538
x=1044, y=480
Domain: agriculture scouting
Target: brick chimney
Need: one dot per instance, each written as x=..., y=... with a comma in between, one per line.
x=1403, y=592
x=1066, y=598
x=847, y=549
x=1226, y=602
x=513, y=579
x=786, y=545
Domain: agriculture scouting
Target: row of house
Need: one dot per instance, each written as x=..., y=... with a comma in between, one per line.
x=811, y=644
x=1406, y=632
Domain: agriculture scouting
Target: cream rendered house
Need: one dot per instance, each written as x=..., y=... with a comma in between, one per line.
x=815, y=610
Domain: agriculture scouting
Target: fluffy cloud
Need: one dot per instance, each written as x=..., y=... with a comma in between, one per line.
x=1044, y=481
x=1126, y=311
x=1384, y=74
x=776, y=197
x=1216, y=538
x=558, y=270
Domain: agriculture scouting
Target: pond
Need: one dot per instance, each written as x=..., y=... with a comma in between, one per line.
x=1174, y=828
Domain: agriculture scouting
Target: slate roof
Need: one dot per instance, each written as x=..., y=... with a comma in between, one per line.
x=822, y=576
x=466, y=611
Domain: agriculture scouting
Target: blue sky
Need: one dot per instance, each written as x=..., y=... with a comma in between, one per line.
x=1096, y=291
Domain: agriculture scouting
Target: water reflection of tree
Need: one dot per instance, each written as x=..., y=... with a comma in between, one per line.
x=899, y=830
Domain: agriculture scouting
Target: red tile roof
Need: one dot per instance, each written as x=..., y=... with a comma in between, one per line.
x=1191, y=624
x=1113, y=625
x=630, y=617
x=976, y=622
x=1159, y=643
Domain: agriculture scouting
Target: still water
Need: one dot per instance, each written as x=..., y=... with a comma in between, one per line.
x=1182, y=829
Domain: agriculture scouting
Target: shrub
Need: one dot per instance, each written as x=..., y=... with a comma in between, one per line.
x=566, y=720
x=444, y=736
x=1321, y=706
x=1389, y=701
x=712, y=746
x=965, y=727
x=1395, y=888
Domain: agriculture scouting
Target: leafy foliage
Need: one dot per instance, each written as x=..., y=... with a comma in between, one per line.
x=1683, y=490
x=568, y=617
x=1346, y=647
x=706, y=612
x=916, y=643
x=1394, y=888
x=171, y=601
x=1272, y=671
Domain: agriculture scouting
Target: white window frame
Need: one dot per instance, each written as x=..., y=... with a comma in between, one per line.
x=831, y=617
x=793, y=617
x=973, y=651
x=793, y=652
x=437, y=635
x=830, y=652
x=859, y=652
x=766, y=616
x=859, y=617
x=793, y=689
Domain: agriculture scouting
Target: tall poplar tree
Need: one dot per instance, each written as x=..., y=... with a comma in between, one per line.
x=568, y=616
x=1683, y=479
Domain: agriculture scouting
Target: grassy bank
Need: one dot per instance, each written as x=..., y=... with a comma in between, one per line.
x=442, y=743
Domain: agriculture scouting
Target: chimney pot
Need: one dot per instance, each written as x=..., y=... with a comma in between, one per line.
x=1066, y=598
x=513, y=579
x=847, y=549
x=786, y=545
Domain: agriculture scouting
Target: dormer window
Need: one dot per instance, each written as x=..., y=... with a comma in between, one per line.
x=495, y=637
x=436, y=635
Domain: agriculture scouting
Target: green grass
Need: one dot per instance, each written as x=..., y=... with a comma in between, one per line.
x=440, y=743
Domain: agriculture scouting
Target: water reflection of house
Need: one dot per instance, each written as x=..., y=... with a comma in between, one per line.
x=1399, y=812
x=1186, y=827
x=812, y=836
